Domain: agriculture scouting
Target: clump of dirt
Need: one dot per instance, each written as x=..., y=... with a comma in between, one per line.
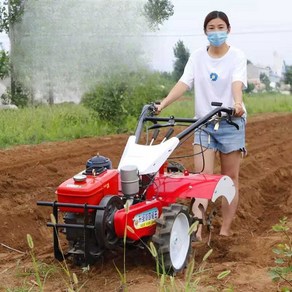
x=32, y=173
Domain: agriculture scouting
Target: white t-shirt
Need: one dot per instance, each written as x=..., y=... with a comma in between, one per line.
x=212, y=77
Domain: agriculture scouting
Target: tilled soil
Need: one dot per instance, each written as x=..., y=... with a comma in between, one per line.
x=32, y=173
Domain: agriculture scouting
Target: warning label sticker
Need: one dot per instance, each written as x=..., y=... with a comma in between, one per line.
x=146, y=218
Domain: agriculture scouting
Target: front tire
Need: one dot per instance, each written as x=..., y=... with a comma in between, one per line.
x=172, y=238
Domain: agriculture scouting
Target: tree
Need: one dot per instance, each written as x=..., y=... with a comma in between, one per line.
x=250, y=87
x=157, y=11
x=182, y=55
x=265, y=80
x=11, y=12
x=4, y=64
x=288, y=76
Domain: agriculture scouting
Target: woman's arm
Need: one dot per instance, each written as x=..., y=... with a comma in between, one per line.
x=237, y=96
x=176, y=92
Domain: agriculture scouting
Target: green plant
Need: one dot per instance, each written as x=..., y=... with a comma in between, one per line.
x=4, y=64
x=33, y=125
x=182, y=55
x=282, y=272
x=157, y=11
x=123, y=276
x=41, y=274
x=288, y=77
x=63, y=122
x=250, y=88
x=72, y=282
x=121, y=97
x=193, y=274
x=37, y=275
x=11, y=12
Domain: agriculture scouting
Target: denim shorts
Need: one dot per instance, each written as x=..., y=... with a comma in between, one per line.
x=225, y=138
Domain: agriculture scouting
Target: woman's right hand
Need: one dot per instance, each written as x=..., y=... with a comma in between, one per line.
x=158, y=108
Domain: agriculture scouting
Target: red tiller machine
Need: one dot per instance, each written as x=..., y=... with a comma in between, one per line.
x=101, y=207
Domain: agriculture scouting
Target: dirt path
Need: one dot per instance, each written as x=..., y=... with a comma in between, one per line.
x=31, y=173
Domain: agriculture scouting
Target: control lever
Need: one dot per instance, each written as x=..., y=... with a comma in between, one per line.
x=230, y=122
x=155, y=126
x=168, y=134
x=154, y=136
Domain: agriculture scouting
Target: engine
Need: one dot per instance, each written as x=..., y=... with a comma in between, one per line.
x=87, y=188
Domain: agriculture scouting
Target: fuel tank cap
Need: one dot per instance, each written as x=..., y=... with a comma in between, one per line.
x=79, y=177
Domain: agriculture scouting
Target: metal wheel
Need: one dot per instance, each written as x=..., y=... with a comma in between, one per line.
x=172, y=238
x=104, y=221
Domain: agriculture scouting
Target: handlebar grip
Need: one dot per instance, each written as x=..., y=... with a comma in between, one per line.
x=215, y=103
x=231, y=111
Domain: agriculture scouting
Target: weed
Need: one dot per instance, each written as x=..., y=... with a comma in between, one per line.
x=282, y=272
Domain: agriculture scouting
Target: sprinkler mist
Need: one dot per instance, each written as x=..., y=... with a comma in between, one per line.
x=60, y=49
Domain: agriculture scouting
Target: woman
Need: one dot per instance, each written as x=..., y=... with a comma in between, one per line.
x=218, y=74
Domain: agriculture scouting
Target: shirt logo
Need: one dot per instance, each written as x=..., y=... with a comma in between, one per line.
x=213, y=76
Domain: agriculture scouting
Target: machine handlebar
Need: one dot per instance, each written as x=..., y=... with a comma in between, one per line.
x=149, y=113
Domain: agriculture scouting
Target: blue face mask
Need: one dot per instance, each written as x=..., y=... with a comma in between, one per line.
x=217, y=38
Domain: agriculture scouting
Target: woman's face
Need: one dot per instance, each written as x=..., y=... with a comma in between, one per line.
x=216, y=24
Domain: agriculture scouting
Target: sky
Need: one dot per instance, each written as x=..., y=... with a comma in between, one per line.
x=261, y=28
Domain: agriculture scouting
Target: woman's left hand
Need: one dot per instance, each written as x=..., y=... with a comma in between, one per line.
x=238, y=109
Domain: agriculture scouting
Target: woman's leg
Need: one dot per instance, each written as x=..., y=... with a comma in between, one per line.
x=230, y=164
x=205, y=165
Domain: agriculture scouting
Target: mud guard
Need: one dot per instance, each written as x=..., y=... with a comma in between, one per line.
x=211, y=187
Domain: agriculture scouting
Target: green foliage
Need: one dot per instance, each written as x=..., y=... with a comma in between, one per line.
x=194, y=274
x=282, y=272
x=122, y=97
x=41, y=272
x=33, y=125
x=250, y=87
x=265, y=80
x=288, y=77
x=11, y=12
x=4, y=64
x=267, y=102
x=182, y=55
x=158, y=11
x=107, y=100
x=20, y=98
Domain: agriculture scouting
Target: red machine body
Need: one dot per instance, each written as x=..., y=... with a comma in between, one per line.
x=87, y=189
x=141, y=217
x=167, y=188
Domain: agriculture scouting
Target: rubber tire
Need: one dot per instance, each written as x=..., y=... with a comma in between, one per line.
x=172, y=239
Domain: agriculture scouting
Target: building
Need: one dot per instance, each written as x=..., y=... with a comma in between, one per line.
x=274, y=73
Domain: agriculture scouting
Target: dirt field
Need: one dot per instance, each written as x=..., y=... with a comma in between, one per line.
x=31, y=173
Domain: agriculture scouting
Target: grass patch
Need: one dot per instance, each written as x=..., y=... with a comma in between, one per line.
x=268, y=102
x=70, y=121
x=48, y=123
x=255, y=104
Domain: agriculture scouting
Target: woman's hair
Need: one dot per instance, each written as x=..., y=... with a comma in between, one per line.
x=216, y=14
